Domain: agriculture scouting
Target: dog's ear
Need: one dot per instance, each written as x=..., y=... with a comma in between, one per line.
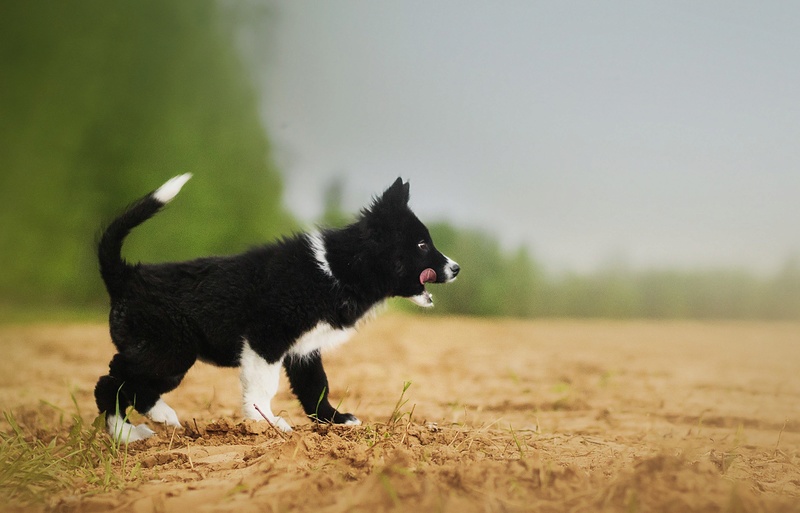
x=393, y=201
x=398, y=194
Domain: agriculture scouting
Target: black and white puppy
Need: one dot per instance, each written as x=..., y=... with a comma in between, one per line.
x=274, y=306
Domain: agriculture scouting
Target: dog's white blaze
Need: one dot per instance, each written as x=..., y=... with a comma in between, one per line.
x=260, y=380
x=123, y=431
x=449, y=275
x=317, y=243
x=320, y=337
x=171, y=188
x=161, y=412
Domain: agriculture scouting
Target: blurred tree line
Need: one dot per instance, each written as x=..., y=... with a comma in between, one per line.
x=101, y=103
x=493, y=282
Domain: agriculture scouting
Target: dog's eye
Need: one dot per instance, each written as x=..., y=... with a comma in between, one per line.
x=423, y=246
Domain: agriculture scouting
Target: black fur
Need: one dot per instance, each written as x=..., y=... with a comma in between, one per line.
x=166, y=316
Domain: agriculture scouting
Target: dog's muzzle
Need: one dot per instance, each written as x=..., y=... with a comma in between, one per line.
x=451, y=270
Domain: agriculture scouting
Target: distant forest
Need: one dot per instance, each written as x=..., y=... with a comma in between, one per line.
x=101, y=103
x=513, y=284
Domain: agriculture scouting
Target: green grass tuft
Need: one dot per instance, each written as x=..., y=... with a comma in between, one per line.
x=397, y=415
x=79, y=454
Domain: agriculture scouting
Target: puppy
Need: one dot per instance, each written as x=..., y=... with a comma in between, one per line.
x=274, y=306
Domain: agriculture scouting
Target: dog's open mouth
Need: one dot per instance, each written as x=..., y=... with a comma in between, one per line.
x=428, y=275
x=425, y=299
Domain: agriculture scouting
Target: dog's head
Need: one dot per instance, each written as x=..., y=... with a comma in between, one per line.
x=407, y=245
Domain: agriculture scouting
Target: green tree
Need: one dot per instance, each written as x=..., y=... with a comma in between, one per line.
x=782, y=299
x=333, y=214
x=101, y=103
x=491, y=282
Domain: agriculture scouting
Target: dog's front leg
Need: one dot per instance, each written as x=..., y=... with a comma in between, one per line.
x=260, y=380
x=310, y=385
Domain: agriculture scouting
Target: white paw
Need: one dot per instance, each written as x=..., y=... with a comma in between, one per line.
x=250, y=412
x=163, y=414
x=352, y=422
x=122, y=431
x=280, y=424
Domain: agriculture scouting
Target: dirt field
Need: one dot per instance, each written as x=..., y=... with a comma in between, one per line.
x=501, y=416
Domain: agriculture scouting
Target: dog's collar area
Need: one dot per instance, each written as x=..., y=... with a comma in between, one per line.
x=317, y=243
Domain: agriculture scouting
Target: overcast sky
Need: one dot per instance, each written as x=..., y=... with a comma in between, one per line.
x=662, y=134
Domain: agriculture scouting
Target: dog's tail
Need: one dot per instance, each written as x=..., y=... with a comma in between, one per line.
x=113, y=268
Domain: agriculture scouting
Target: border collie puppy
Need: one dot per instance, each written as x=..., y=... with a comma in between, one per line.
x=274, y=306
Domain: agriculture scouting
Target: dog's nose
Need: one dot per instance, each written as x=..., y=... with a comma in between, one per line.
x=455, y=268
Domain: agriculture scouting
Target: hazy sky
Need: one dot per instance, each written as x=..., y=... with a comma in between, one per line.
x=662, y=134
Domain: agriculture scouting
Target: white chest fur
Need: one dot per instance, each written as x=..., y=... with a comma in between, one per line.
x=320, y=337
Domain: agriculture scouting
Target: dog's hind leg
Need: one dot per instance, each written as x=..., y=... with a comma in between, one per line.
x=113, y=400
x=126, y=385
x=161, y=412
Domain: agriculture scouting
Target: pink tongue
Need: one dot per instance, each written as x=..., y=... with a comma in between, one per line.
x=427, y=275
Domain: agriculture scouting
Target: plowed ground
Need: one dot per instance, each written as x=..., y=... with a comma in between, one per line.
x=499, y=416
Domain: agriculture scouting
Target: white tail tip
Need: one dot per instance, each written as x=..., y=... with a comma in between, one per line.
x=169, y=190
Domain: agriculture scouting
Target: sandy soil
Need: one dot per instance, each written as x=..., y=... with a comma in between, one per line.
x=501, y=416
